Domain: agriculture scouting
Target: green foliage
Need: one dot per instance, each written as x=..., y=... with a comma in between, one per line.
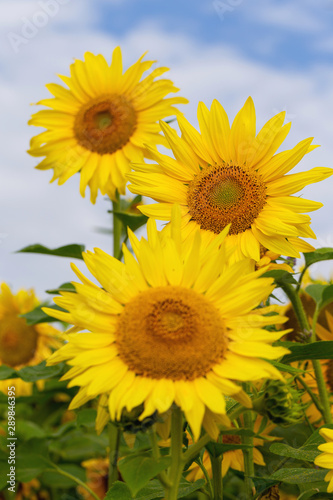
x=65, y=287
x=37, y=315
x=281, y=277
x=139, y=469
x=301, y=352
x=317, y=256
x=73, y=251
x=299, y=475
x=32, y=373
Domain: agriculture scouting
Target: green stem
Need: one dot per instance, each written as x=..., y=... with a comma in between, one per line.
x=311, y=394
x=217, y=477
x=321, y=384
x=114, y=442
x=117, y=226
x=296, y=302
x=177, y=464
x=205, y=473
x=75, y=479
x=164, y=480
x=248, y=455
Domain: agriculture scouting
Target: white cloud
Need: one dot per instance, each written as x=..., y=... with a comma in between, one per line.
x=39, y=212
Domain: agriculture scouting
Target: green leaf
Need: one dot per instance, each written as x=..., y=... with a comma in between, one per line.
x=315, y=291
x=65, y=287
x=315, y=350
x=133, y=221
x=7, y=372
x=26, y=430
x=40, y=372
x=318, y=255
x=217, y=449
x=31, y=460
x=73, y=251
x=77, y=446
x=299, y=475
x=54, y=478
x=119, y=491
x=281, y=277
x=37, y=316
x=186, y=488
x=286, y=368
x=86, y=417
x=138, y=470
x=285, y=450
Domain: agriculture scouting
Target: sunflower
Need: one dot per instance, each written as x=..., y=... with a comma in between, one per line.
x=233, y=459
x=325, y=459
x=101, y=122
x=174, y=326
x=97, y=470
x=20, y=344
x=228, y=175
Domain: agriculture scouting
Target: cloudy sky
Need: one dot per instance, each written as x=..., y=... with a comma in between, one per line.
x=278, y=51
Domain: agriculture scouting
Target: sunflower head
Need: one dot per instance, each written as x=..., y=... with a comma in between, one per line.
x=167, y=329
x=101, y=121
x=231, y=176
x=325, y=459
x=20, y=343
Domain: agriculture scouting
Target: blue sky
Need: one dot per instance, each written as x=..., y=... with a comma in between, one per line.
x=278, y=51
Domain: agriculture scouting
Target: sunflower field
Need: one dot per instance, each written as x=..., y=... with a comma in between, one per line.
x=195, y=361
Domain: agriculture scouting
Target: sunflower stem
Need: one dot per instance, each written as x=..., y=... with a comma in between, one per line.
x=117, y=226
x=164, y=480
x=217, y=477
x=177, y=464
x=322, y=389
x=248, y=454
x=296, y=302
x=114, y=442
x=73, y=478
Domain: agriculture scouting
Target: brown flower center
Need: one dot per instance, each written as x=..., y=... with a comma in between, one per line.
x=231, y=439
x=18, y=341
x=228, y=194
x=329, y=374
x=105, y=124
x=171, y=332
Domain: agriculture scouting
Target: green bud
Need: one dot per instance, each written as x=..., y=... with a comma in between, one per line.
x=129, y=421
x=280, y=403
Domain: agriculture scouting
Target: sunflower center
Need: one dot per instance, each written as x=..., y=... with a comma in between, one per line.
x=171, y=332
x=227, y=194
x=231, y=439
x=105, y=124
x=329, y=374
x=18, y=341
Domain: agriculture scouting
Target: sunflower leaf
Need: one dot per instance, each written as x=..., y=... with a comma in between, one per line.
x=37, y=315
x=285, y=450
x=299, y=475
x=138, y=470
x=65, y=287
x=7, y=372
x=133, y=221
x=74, y=251
x=40, y=372
x=281, y=277
x=119, y=491
x=300, y=352
x=318, y=255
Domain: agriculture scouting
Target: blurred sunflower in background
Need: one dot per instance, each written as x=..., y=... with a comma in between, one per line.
x=229, y=175
x=233, y=459
x=102, y=121
x=21, y=344
x=199, y=332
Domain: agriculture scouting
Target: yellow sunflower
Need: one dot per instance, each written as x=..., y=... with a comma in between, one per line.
x=230, y=175
x=174, y=325
x=325, y=459
x=97, y=470
x=101, y=122
x=20, y=344
x=233, y=459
